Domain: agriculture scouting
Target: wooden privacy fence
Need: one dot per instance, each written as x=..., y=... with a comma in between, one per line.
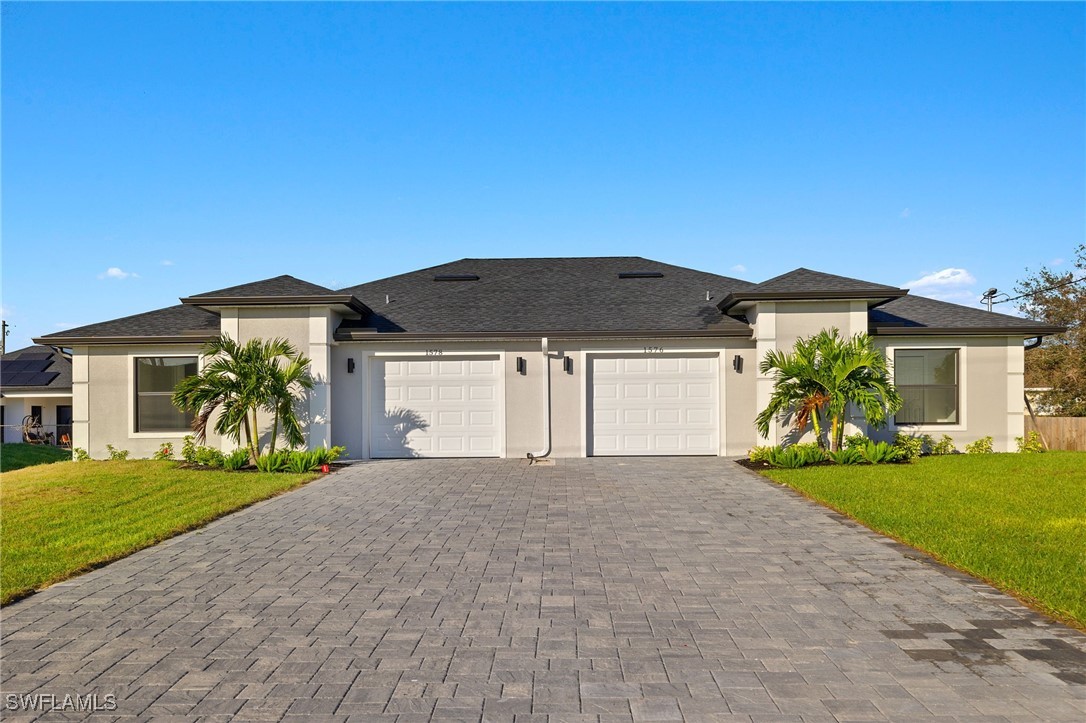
x=1060, y=432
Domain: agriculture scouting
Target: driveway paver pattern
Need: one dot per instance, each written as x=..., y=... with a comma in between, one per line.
x=592, y=590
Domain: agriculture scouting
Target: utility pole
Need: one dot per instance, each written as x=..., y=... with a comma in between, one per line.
x=4, y=338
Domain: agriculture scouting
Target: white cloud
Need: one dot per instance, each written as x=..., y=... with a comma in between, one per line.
x=942, y=279
x=906, y=212
x=167, y=262
x=115, y=273
x=1057, y=262
x=949, y=284
x=739, y=269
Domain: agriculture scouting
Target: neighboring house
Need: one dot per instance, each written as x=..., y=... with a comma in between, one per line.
x=567, y=356
x=35, y=381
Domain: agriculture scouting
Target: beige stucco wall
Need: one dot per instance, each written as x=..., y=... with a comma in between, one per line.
x=991, y=381
x=310, y=330
x=524, y=394
x=778, y=325
x=109, y=399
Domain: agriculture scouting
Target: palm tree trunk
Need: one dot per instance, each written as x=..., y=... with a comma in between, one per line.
x=256, y=433
x=248, y=439
x=817, y=429
x=275, y=431
x=835, y=443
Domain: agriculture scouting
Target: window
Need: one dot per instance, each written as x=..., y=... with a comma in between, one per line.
x=927, y=380
x=155, y=379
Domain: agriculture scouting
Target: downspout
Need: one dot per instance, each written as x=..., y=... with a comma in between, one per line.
x=546, y=406
x=1029, y=407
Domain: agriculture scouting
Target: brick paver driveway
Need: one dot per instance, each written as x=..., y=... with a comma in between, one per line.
x=591, y=590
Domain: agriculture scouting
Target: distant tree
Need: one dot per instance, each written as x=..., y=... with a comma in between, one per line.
x=1060, y=361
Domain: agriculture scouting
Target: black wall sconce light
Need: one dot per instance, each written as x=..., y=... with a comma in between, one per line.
x=567, y=364
x=350, y=365
x=737, y=364
x=522, y=365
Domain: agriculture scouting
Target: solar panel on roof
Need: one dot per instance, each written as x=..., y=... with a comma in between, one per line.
x=36, y=356
x=40, y=379
x=16, y=379
x=14, y=366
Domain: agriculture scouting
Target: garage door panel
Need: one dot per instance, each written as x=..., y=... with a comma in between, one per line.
x=435, y=408
x=666, y=405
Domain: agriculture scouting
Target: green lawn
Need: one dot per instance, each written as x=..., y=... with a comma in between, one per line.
x=1015, y=520
x=60, y=520
x=17, y=456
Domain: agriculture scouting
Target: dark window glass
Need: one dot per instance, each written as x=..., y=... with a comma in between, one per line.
x=155, y=379
x=927, y=380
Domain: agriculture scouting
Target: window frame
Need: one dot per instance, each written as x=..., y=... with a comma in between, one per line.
x=958, y=426
x=133, y=381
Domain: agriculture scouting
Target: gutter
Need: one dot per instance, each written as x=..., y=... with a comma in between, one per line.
x=546, y=407
x=383, y=336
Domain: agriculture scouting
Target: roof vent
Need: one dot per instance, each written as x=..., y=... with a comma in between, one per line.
x=640, y=275
x=456, y=277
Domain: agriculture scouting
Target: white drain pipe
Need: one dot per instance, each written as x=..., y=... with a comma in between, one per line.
x=546, y=405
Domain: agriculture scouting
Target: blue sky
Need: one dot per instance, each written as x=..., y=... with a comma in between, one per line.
x=152, y=151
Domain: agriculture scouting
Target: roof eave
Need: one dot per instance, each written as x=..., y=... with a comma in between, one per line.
x=873, y=299
x=1025, y=332
x=69, y=341
x=366, y=335
x=349, y=301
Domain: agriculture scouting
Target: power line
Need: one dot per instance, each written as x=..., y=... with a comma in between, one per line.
x=1041, y=291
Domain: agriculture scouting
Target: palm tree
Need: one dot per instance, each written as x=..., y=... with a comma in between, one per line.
x=823, y=375
x=240, y=379
x=287, y=386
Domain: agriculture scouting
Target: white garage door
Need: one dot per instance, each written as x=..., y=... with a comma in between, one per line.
x=654, y=405
x=448, y=407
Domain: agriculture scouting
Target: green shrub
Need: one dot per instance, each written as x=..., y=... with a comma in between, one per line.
x=944, y=446
x=328, y=456
x=188, y=449
x=797, y=455
x=855, y=441
x=910, y=447
x=272, y=461
x=848, y=455
x=209, y=457
x=80, y=455
x=302, y=461
x=164, y=452
x=928, y=443
x=117, y=455
x=759, y=454
x=1031, y=444
x=236, y=460
x=786, y=457
x=981, y=446
x=881, y=452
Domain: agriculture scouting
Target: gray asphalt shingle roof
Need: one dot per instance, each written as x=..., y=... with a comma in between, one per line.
x=55, y=373
x=284, y=285
x=919, y=311
x=173, y=321
x=806, y=280
x=549, y=295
